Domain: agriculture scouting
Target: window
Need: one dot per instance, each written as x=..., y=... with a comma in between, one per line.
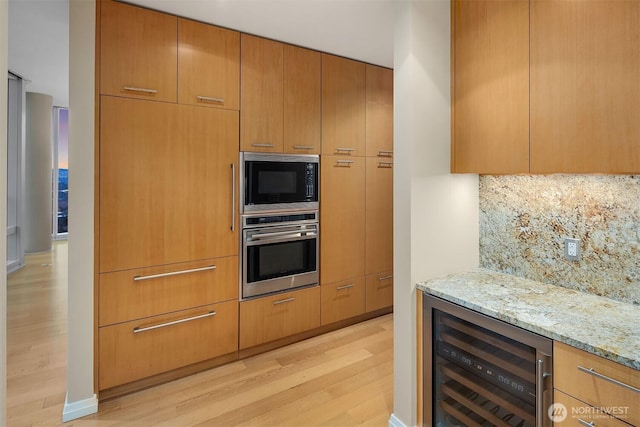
x=60, y=172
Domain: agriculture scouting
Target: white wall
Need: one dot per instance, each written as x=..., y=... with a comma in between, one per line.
x=81, y=399
x=435, y=213
x=4, y=37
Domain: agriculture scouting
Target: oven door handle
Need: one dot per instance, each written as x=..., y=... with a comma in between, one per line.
x=308, y=233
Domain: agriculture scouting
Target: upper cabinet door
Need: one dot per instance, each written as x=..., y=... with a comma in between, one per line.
x=261, y=94
x=138, y=52
x=379, y=111
x=208, y=65
x=302, y=100
x=490, y=86
x=343, y=106
x=585, y=86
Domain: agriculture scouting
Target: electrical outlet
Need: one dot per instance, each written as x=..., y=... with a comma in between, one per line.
x=572, y=249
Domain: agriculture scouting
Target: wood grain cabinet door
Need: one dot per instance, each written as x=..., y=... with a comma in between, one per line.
x=379, y=111
x=166, y=183
x=302, y=100
x=138, y=52
x=585, y=90
x=379, y=215
x=379, y=292
x=261, y=94
x=208, y=65
x=343, y=106
x=490, y=86
x=342, y=218
x=342, y=300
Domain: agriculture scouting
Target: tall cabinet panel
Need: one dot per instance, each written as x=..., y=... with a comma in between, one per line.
x=585, y=90
x=490, y=86
x=343, y=106
x=138, y=52
x=379, y=111
x=208, y=65
x=261, y=97
x=302, y=100
x=165, y=183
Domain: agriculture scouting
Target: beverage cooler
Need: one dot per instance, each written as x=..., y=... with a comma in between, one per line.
x=480, y=371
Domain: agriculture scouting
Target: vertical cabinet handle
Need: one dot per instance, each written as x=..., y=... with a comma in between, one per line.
x=233, y=197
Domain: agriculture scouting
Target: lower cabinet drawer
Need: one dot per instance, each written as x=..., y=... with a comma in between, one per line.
x=135, y=350
x=343, y=300
x=597, y=381
x=379, y=293
x=576, y=413
x=272, y=317
x=136, y=294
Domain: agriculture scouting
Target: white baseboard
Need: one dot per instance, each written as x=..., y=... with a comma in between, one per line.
x=395, y=421
x=79, y=409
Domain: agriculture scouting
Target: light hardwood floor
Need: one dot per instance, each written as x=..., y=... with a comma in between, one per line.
x=343, y=378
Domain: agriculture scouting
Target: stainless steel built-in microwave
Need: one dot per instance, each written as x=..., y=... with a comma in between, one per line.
x=279, y=182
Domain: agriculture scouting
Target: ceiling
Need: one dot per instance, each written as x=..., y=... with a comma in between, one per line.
x=358, y=29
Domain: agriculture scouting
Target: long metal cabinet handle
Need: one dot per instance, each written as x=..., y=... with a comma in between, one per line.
x=173, y=273
x=233, y=197
x=344, y=162
x=175, y=322
x=263, y=145
x=385, y=153
x=539, y=393
x=385, y=277
x=210, y=99
x=385, y=164
x=339, y=288
x=347, y=149
x=304, y=147
x=586, y=424
x=140, y=89
x=282, y=301
x=606, y=378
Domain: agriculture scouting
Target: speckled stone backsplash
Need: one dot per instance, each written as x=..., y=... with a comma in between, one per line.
x=524, y=220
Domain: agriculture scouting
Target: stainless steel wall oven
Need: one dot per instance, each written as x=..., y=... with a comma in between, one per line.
x=480, y=371
x=279, y=252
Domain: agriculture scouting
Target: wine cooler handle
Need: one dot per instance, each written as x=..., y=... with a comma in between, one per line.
x=541, y=377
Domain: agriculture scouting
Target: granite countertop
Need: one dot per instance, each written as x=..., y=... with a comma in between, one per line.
x=598, y=325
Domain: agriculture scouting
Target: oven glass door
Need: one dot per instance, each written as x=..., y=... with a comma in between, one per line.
x=277, y=259
x=275, y=182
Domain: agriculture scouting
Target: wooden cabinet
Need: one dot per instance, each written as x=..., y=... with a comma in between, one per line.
x=277, y=316
x=379, y=292
x=145, y=292
x=587, y=378
x=208, y=65
x=280, y=97
x=138, y=349
x=379, y=111
x=138, y=52
x=261, y=94
x=166, y=185
x=490, y=86
x=302, y=100
x=342, y=300
x=379, y=215
x=585, y=91
x=342, y=218
x=580, y=414
x=343, y=106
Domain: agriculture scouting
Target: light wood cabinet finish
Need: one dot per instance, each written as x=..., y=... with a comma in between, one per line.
x=585, y=90
x=379, y=215
x=595, y=391
x=342, y=300
x=379, y=111
x=342, y=218
x=135, y=294
x=269, y=318
x=579, y=414
x=165, y=183
x=261, y=94
x=490, y=86
x=343, y=106
x=208, y=65
x=302, y=100
x=127, y=356
x=138, y=50
x=379, y=292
